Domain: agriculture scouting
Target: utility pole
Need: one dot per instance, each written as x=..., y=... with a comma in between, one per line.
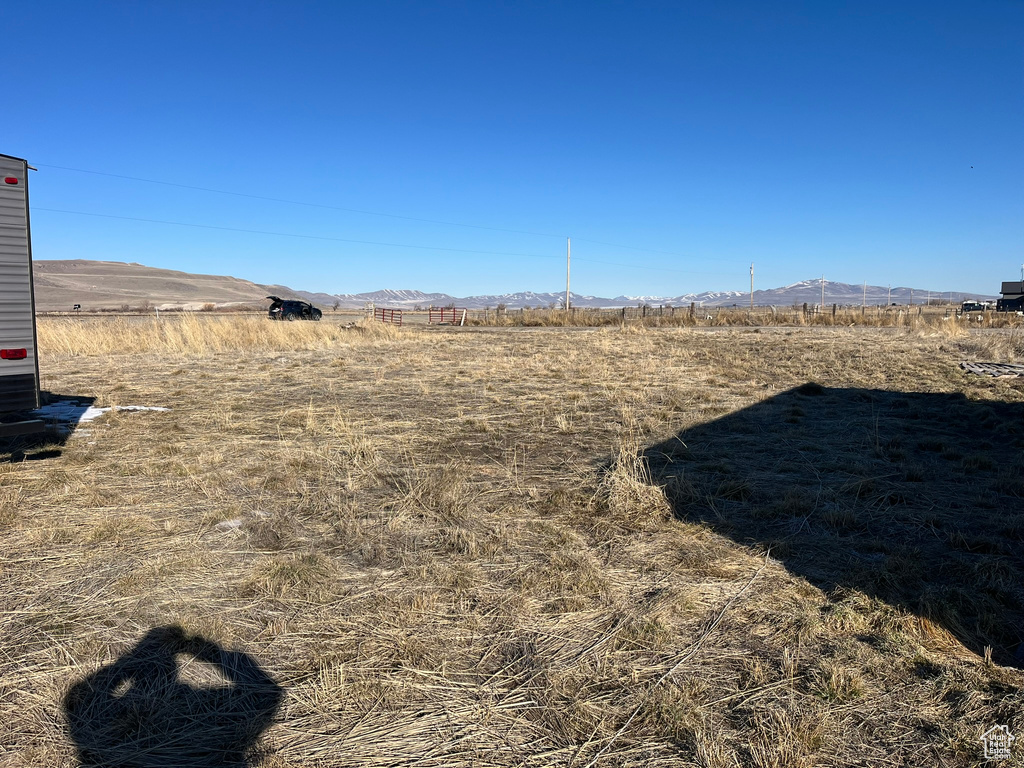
x=911, y=297
x=822, y=293
x=568, y=253
x=864, y=296
x=751, y=287
x=889, y=304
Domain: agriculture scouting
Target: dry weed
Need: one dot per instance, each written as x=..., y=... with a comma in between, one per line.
x=461, y=547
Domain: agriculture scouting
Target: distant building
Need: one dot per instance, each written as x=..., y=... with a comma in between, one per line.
x=1013, y=297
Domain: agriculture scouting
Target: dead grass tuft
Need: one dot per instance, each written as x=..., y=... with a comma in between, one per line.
x=302, y=577
x=628, y=493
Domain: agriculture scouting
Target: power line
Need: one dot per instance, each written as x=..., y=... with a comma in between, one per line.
x=350, y=240
x=641, y=266
x=287, y=234
x=357, y=210
x=634, y=248
x=296, y=202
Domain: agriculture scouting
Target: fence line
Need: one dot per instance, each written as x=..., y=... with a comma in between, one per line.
x=393, y=316
x=437, y=315
x=806, y=314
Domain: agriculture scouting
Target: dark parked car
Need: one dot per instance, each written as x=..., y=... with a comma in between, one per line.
x=282, y=309
x=972, y=306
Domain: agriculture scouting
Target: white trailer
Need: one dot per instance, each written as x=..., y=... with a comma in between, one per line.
x=19, y=362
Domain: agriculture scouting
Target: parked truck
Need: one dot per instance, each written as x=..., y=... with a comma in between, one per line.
x=19, y=362
x=975, y=306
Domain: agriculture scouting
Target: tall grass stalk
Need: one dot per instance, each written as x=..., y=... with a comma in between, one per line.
x=198, y=335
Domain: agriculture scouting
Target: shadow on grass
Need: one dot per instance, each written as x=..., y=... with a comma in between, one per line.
x=61, y=415
x=914, y=499
x=140, y=711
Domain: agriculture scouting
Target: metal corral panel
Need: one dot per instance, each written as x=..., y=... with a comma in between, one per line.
x=19, y=379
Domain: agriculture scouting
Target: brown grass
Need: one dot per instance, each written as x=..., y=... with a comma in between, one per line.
x=192, y=334
x=943, y=319
x=450, y=548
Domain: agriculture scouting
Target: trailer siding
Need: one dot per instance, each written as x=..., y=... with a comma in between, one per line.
x=19, y=379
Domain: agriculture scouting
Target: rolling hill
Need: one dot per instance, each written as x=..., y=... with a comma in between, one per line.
x=60, y=285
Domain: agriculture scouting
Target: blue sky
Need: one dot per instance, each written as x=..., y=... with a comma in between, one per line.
x=810, y=138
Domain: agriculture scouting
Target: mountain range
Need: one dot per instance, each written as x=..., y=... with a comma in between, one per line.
x=60, y=284
x=804, y=291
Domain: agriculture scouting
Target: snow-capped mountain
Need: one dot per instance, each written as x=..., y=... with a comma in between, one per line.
x=809, y=291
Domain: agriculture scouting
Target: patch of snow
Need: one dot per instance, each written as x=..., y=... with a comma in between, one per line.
x=66, y=414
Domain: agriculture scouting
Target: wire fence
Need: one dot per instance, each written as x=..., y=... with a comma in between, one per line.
x=805, y=314
x=659, y=315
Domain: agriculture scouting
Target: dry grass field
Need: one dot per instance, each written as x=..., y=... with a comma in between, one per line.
x=771, y=547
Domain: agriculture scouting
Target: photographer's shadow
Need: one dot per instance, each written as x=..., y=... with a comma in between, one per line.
x=139, y=711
